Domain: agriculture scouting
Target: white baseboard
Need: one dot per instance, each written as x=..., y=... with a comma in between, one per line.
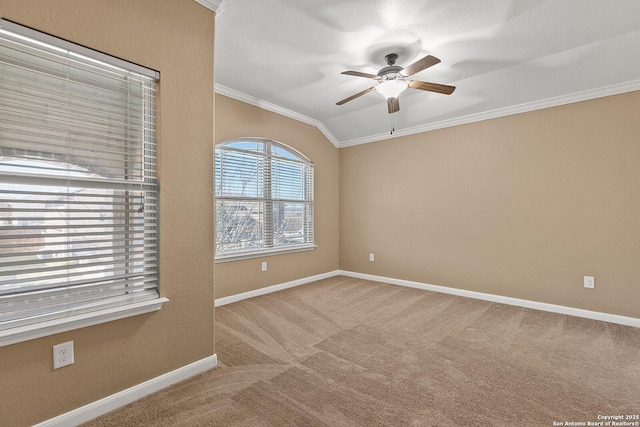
x=595, y=315
x=274, y=288
x=115, y=401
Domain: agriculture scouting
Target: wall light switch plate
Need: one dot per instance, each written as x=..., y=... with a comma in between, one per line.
x=264, y=265
x=371, y=257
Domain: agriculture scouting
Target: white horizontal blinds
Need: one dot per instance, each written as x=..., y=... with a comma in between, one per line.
x=78, y=196
x=264, y=197
x=292, y=197
x=62, y=109
x=240, y=203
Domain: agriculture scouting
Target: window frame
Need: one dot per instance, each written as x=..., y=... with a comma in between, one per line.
x=268, y=200
x=74, y=320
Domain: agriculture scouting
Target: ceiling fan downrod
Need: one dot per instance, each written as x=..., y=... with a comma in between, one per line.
x=391, y=71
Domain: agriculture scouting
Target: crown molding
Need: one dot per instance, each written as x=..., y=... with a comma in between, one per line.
x=471, y=118
x=210, y=4
x=616, y=89
x=265, y=105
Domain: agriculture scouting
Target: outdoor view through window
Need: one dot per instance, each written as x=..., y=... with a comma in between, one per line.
x=55, y=235
x=264, y=199
x=78, y=192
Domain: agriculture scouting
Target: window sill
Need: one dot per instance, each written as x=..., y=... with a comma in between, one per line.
x=262, y=253
x=51, y=327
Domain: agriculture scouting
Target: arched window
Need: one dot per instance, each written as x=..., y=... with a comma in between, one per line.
x=264, y=199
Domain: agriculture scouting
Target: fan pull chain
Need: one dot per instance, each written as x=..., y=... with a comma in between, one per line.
x=393, y=126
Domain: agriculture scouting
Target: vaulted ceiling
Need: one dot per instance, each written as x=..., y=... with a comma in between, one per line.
x=503, y=56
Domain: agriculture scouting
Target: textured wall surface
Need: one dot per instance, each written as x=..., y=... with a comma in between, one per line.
x=176, y=38
x=522, y=206
x=236, y=119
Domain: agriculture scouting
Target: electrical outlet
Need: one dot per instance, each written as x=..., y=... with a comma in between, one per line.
x=589, y=282
x=62, y=354
x=264, y=265
x=371, y=257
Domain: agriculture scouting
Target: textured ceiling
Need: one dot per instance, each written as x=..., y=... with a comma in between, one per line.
x=504, y=57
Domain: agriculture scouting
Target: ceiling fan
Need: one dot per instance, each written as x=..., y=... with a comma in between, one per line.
x=393, y=79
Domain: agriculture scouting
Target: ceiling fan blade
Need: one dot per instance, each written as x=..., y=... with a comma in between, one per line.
x=359, y=74
x=352, y=97
x=432, y=87
x=393, y=104
x=419, y=65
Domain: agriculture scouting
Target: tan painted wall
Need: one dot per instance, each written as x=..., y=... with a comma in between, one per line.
x=522, y=206
x=237, y=119
x=176, y=38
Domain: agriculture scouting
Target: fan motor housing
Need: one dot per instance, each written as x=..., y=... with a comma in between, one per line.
x=392, y=69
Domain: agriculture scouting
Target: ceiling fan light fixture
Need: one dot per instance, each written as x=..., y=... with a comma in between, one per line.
x=393, y=79
x=391, y=88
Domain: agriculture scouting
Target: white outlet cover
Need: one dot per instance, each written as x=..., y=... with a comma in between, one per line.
x=264, y=266
x=589, y=282
x=62, y=354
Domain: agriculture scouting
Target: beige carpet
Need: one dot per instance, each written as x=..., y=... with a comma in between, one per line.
x=350, y=352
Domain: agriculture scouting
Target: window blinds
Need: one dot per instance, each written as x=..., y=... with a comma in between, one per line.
x=264, y=199
x=78, y=193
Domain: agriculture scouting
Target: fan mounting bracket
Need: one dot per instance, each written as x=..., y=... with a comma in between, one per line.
x=391, y=58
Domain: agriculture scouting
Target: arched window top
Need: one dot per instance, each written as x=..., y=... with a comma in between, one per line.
x=265, y=146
